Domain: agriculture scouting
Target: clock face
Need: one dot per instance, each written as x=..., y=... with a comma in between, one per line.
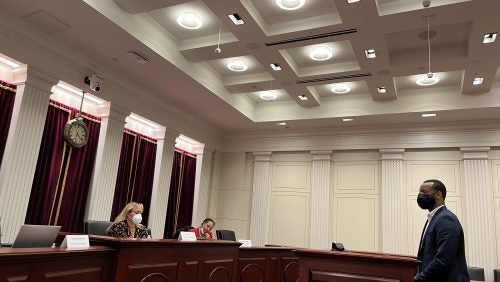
x=76, y=133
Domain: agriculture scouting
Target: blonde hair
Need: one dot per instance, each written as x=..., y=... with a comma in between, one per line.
x=130, y=206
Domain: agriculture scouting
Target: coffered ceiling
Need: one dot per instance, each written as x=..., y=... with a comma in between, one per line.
x=184, y=68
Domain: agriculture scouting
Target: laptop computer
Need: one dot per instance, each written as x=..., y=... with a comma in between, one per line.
x=33, y=236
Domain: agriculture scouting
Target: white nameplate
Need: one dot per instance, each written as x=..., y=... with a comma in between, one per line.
x=76, y=242
x=187, y=236
x=245, y=243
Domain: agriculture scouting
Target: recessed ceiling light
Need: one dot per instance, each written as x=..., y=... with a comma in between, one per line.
x=236, y=19
x=429, y=115
x=477, y=81
x=303, y=97
x=320, y=53
x=489, y=37
x=340, y=88
x=290, y=4
x=237, y=65
x=275, y=67
x=352, y=1
x=8, y=62
x=347, y=119
x=189, y=20
x=281, y=123
x=268, y=96
x=370, y=54
x=427, y=79
x=381, y=90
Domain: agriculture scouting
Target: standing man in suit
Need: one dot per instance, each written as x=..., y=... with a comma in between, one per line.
x=442, y=247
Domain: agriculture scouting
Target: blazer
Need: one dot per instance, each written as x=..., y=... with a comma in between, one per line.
x=442, y=250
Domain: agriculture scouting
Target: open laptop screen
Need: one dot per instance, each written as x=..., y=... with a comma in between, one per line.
x=32, y=236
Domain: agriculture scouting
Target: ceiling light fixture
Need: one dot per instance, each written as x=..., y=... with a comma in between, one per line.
x=489, y=37
x=381, y=90
x=218, y=50
x=429, y=115
x=320, y=53
x=290, y=4
x=303, y=97
x=340, y=88
x=477, y=81
x=268, y=95
x=237, y=65
x=370, y=53
x=8, y=62
x=275, y=67
x=352, y=1
x=429, y=78
x=189, y=20
x=236, y=19
x=347, y=119
x=281, y=123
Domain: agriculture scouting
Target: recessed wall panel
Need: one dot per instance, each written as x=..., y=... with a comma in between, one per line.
x=357, y=222
x=289, y=224
x=356, y=177
x=446, y=171
x=291, y=176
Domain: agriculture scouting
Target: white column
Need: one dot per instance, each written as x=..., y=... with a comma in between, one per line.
x=261, y=194
x=393, y=202
x=161, y=183
x=320, y=204
x=102, y=189
x=21, y=150
x=480, y=221
x=201, y=201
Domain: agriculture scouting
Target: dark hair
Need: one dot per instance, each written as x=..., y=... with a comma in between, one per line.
x=438, y=186
x=207, y=220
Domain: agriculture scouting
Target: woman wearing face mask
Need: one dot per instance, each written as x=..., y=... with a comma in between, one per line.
x=128, y=223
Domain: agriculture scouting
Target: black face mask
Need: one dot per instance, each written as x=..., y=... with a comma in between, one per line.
x=425, y=201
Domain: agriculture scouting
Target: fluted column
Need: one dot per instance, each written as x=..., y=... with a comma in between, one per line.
x=201, y=203
x=393, y=202
x=161, y=183
x=102, y=189
x=320, y=195
x=261, y=194
x=21, y=150
x=480, y=220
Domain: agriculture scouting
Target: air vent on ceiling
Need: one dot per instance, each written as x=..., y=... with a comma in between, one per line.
x=332, y=78
x=313, y=36
x=46, y=22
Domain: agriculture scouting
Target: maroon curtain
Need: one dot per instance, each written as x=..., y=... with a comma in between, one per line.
x=63, y=174
x=181, y=195
x=134, y=181
x=7, y=98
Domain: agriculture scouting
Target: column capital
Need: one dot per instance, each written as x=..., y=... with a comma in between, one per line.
x=391, y=154
x=475, y=153
x=262, y=156
x=321, y=155
x=36, y=79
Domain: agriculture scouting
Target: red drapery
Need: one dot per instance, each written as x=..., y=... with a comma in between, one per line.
x=134, y=181
x=181, y=195
x=7, y=98
x=63, y=174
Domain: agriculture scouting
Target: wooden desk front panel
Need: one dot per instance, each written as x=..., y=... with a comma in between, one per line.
x=55, y=265
x=150, y=260
x=267, y=264
x=332, y=266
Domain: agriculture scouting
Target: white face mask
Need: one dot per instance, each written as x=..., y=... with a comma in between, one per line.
x=137, y=218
